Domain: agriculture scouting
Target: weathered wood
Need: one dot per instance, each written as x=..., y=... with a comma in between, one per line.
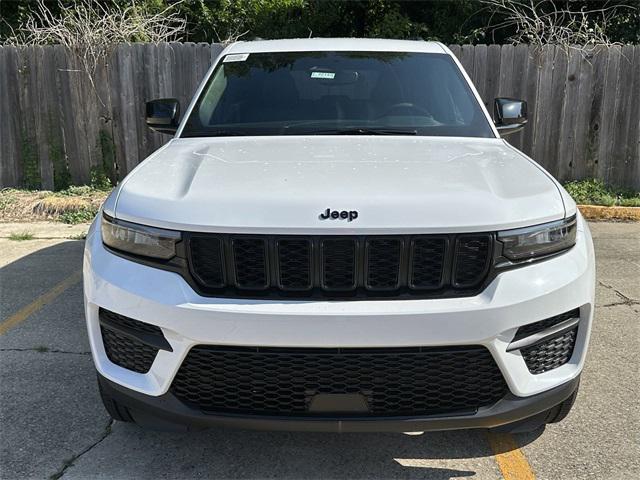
x=632, y=153
x=480, y=70
x=554, y=115
x=619, y=165
x=584, y=111
x=567, y=131
x=466, y=58
x=611, y=109
x=544, y=110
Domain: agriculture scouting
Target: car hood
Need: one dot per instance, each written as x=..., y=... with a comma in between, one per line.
x=283, y=184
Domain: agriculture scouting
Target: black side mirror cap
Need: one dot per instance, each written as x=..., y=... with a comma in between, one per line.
x=510, y=115
x=163, y=115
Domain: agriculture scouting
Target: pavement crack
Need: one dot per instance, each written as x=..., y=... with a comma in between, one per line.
x=43, y=350
x=71, y=461
x=625, y=300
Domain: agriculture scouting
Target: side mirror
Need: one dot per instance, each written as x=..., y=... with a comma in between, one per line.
x=163, y=115
x=510, y=115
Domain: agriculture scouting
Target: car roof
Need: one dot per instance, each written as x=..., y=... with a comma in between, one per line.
x=336, y=44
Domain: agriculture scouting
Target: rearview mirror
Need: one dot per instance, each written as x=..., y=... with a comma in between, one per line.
x=163, y=115
x=510, y=115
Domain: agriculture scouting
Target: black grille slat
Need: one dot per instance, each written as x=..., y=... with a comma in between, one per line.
x=383, y=263
x=250, y=261
x=209, y=269
x=551, y=353
x=427, y=263
x=537, y=327
x=358, y=266
x=471, y=259
x=294, y=264
x=339, y=264
x=394, y=382
x=129, y=323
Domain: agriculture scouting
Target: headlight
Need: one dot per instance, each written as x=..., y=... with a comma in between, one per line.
x=139, y=239
x=539, y=240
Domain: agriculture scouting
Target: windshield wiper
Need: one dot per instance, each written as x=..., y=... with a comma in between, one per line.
x=365, y=131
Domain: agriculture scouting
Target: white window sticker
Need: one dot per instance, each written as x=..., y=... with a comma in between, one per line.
x=325, y=75
x=236, y=57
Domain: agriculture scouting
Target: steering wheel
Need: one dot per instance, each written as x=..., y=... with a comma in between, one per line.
x=404, y=106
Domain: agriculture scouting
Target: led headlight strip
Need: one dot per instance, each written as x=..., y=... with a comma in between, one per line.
x=139, y=239
x=539, y=240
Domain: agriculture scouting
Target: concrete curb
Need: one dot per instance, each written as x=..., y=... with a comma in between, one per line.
x=598, y=212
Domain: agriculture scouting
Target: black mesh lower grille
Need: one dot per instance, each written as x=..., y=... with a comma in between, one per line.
x=394, y=382
x=551, y=353
x=127, y=352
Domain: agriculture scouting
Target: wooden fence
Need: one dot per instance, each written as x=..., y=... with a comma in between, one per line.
x=56, y=127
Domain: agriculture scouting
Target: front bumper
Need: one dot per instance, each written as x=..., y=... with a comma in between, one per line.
x=516, y=297
x=167, y=412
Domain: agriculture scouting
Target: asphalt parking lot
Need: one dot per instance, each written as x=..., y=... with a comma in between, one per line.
x=53, y=425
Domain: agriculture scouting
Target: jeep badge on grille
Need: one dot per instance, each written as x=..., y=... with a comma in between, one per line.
x=348, y=215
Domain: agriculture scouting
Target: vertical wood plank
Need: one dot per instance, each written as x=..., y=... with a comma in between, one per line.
x=632, y=153
x=610, y=109
x=127, y=100
x=480, y=70
x=617, y=164
x=567, y=132
x=466, y=59
x=554, y=116
x=600, y=62
x=10, y=148
x=41, y=118
x=27, y=110
x=543, y=110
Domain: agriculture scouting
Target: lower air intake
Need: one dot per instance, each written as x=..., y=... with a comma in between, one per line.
x=552, y=353
x=389, y=381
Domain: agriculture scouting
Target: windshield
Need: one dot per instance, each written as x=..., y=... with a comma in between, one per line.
x=316, y=93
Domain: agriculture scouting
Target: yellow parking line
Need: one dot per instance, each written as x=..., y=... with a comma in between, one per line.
x=510, y=459
x=39, y=302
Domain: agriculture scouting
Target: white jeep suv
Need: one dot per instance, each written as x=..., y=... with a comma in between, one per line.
x=337, y=238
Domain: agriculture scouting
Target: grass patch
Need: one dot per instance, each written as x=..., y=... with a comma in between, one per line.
x=595, y=192
x=84, y=215
x=21, y=236
x=72, y=205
